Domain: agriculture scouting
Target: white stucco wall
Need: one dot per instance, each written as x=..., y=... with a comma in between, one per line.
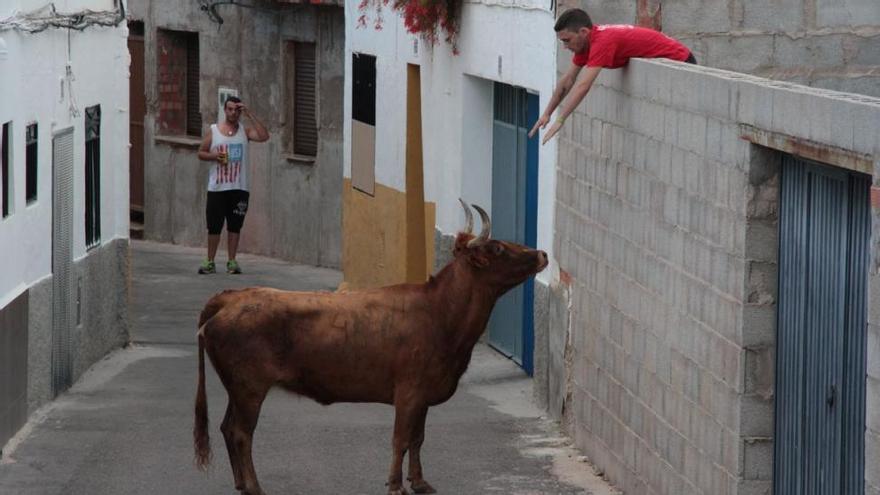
x=456, y=100
x=31, y=76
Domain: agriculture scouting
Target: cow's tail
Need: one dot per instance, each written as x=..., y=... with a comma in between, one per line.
x=201, y=440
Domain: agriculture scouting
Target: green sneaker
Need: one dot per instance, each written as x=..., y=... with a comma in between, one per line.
x=207, y=267
x=232, y=267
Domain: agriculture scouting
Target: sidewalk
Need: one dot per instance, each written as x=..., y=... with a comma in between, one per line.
x=125, y=426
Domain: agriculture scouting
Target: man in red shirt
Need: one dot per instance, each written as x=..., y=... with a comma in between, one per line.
x=596, y=47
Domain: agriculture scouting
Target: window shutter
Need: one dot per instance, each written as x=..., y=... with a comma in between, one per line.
x=193, y=115
x=305, y=127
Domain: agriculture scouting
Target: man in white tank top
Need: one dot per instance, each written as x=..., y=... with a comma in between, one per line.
x=226, y=144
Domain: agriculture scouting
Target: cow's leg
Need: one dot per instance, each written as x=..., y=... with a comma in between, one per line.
x=247, y=411
x=406, y=417
x=418, y=483
x=226, y=429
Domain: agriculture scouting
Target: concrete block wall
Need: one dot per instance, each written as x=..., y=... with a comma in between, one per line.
x=821, y=43
x=666, y=221
x=829, y=44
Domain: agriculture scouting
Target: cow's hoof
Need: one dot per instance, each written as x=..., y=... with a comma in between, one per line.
x=422, y=486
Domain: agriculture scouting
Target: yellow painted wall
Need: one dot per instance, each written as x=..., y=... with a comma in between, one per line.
x=374, y=236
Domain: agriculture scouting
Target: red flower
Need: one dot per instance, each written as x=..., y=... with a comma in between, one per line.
x=423, y=17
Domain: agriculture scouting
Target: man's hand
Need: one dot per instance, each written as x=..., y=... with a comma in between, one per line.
x=222, y=158
x=540, y=124
x=242, y=108
x=551, y=132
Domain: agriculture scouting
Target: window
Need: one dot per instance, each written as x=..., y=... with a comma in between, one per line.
x=93, y=175
x=31, y=163
x=301, y=98
x=364, y=89
x=363, y=123
x=178, y=80
x=5, y=176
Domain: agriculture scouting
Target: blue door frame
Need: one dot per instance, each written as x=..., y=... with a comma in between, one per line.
x=514, y=215
x=531, y=240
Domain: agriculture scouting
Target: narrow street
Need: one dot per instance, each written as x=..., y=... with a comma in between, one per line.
x=125, y=426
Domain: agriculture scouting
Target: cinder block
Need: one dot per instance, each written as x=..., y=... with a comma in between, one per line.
x=746, y=53
x=865, y=122
x=683, y=16
x=761, y=283
x=755, y=106
x=713, y=97
x=729, y=143
x=788, y=112
x=757, y=416
x=759, y=325
x=758, y=459
x=842, y=124
x=654, y=120
x=830, y=13
x=696, y=133
x=692, y=173
x=671, y=125
x=872, y=408
x=782, y=16
x=754, y=487
x=794, y=52
x=872, y=458
x=739, y=189
x=866, y=85
x=873, y=350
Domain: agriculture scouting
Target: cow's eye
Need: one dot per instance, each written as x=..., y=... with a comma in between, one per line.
x=497, y=249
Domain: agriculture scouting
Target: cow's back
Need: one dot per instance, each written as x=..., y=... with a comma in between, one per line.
x=332, y=347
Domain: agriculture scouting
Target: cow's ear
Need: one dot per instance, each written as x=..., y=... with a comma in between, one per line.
x=461, y=242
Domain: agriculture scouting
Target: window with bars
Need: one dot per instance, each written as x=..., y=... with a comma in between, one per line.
x=31, y=163
x=301, y=98
x=5, y=175
x=93, y=175
x=178, y=80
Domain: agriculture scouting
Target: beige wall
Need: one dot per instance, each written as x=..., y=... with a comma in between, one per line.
x=375, y=230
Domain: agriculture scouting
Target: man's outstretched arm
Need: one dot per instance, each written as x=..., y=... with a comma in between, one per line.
x=559, y=93
x=580, y=90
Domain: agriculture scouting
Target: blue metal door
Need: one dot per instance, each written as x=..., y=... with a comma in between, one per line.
x=820, y=361
x=514, y=214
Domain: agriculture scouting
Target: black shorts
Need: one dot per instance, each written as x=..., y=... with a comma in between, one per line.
x=230, y=206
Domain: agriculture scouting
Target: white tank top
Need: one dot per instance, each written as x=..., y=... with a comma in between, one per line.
x=234, y=174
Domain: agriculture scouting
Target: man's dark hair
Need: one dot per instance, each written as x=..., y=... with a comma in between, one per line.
x=572, y=20
x=233, y=99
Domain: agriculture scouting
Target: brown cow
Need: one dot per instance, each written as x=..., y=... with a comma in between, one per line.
x=405, y=345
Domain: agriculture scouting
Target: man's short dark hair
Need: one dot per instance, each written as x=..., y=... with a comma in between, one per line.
x=233, y=99
x=572, y=20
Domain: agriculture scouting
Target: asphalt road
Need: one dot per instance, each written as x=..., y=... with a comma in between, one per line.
x=125, y=426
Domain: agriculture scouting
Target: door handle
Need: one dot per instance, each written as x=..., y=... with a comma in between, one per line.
x=832, y=395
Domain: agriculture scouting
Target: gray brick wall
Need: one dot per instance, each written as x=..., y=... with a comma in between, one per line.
x=666, y=221
x=829, y=44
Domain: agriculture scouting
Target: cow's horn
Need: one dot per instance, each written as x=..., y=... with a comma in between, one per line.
x=486, y=230
x=469, y=216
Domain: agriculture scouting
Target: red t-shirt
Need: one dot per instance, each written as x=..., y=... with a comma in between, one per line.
x=612, y=45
